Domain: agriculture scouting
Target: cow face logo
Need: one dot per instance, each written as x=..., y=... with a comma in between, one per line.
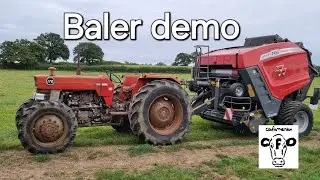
x=50, y=81
x=278, y=147
x=281, y=70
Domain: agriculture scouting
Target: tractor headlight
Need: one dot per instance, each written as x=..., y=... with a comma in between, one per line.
x=38, y=96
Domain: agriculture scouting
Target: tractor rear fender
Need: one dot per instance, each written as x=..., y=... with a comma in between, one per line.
x=132, y=83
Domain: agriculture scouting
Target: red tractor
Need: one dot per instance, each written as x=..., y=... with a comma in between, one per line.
x=245, y=86
x=155, y=108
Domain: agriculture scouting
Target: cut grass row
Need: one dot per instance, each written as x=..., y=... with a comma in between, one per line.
x=146, y=148
x=225, y=168
x=219, y=166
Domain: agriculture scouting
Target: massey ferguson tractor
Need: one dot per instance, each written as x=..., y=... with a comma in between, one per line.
x=155, y=108
x=245, y=86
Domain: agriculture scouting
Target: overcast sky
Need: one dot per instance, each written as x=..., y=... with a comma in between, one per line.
x=295, y=19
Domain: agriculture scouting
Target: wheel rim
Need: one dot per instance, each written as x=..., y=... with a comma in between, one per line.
x=239, y=91
x=49, y=130
x=302, y=120
x=165, y=114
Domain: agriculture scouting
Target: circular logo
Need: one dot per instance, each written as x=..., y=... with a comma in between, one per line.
x=50, y=81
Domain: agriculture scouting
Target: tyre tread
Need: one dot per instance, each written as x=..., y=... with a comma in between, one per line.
x=136, y=112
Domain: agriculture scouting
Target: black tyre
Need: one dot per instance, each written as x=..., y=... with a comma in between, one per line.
x=28, y=103
x=47, y=127
x=296, y=113
x=160, y=113
x=124, y=125
x=237, y=90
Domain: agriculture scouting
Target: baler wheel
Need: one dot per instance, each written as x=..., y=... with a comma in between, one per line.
x=160, y=113
x=296, y=113
x=47, y=127
x=124, y=127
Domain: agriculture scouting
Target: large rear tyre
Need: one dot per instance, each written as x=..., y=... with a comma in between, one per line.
x=160, y=112
x=47, y=127
x=124, y=125
x=296, y=113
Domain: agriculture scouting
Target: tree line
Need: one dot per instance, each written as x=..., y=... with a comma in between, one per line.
x=49, y=47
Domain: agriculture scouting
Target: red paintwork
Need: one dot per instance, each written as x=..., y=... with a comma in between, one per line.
x=79, y=83
x=296, y=64
x=132, y=83
x=101, y=84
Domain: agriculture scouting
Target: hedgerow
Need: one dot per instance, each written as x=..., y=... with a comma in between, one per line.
x=111, y=68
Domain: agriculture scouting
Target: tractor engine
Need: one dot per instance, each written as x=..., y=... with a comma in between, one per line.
x=88, y=107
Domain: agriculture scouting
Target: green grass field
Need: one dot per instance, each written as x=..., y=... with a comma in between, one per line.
x=17, y=86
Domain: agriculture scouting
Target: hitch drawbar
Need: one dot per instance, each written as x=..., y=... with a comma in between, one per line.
x=206, y=105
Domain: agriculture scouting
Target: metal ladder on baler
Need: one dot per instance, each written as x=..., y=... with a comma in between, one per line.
x=198, y=67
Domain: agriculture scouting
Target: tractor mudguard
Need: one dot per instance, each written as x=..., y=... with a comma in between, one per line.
x=132, y=83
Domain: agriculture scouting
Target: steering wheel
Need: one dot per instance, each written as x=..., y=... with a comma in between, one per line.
x=113, y=77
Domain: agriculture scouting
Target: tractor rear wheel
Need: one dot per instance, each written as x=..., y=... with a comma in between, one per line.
x=160, y=113
x=124, y=125
x=296, y=113
x=47, y=127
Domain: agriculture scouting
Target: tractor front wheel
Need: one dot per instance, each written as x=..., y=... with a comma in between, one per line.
x=160, y=112
x=296, y=113
x=47, y=127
